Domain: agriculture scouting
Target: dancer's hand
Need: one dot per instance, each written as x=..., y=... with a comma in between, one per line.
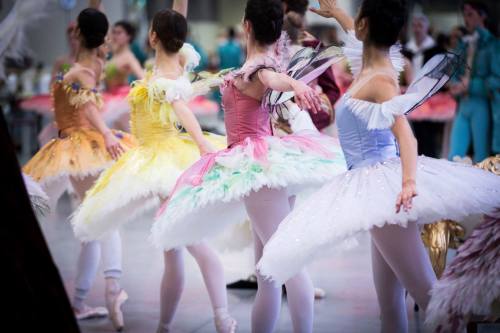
x=406, y=196
x=326, y=8
x=113, y=145
x=306, y=97
x=206, y=148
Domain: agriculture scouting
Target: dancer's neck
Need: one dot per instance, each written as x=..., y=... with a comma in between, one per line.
x=255, y=50
x=167, y=63
x=87, y=58
x=376, y=58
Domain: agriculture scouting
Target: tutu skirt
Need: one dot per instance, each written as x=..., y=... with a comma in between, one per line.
x=208, y=196
x=364, y=198
x=136, y=183
x=38, y=197
x=79, y=154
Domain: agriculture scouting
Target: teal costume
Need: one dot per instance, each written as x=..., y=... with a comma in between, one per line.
x=473, y=117
x=494, y=88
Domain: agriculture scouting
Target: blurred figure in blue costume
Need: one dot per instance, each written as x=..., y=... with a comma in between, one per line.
x=473, y=117
x=494, y=88
x=230, y=52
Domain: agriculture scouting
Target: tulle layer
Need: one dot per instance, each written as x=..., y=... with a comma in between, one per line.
x=81, y=153
x=38, y=197
x=364, y=198
x=135, y=184
x=208, y=196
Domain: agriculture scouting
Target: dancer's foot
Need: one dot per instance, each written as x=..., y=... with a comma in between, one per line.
x=114, y=302
x=250, y=283
x=89, y=312
x=224, y=323
x=163, y=329
x=319, y=293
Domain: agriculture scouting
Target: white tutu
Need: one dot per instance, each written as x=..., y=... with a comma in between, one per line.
x=364, y=198
x=39, y=200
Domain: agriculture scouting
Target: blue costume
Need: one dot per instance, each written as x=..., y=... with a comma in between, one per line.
x=473, y=117
x=494, y=89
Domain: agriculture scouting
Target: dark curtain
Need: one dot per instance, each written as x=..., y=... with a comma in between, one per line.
x=33, y=297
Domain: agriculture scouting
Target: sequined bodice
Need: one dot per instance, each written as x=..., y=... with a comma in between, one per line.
x=362, y=146
x=244, y=116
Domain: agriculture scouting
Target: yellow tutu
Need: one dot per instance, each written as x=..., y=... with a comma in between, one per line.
x=144, y=175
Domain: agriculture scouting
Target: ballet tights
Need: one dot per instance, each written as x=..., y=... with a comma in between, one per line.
x=266, y=209
x=172, y=282
x=90, y=255
x=400, y=262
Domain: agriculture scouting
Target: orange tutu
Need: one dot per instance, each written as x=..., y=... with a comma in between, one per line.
x=79, y=154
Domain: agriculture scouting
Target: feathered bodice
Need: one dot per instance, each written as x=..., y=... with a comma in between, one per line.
x=69, y=99
x=152, y=116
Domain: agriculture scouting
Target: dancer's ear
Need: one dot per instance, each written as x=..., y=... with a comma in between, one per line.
x=153, y=38
x=361, y=28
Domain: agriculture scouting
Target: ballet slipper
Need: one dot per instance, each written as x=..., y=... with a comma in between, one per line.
x=114, y=302
x=89, y=312
x=319, y=293
x=224, y=323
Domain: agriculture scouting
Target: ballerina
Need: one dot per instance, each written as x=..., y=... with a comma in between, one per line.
x=84, y=148
x=144, y=175
x=376, y=194
x=258, y=173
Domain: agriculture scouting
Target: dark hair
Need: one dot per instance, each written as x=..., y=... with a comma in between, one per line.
x=266, y=17
x=478, y=6
x=385, y=18
x=128, y=27
x=93, y=26
x=298, y=6
x=293, y=26
x=171, y=28
x=231, y=34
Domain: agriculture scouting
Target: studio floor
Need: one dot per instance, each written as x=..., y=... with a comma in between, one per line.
x=350, y=304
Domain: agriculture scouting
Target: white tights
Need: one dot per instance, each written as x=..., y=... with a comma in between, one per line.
x=266, y=209
x=172, y=282
x=400, y=262
x=90, y=255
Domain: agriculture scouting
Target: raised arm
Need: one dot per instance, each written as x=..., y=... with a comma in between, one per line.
x=191, y=125
x=180, y=6
x=330, y=9
x=305, y=96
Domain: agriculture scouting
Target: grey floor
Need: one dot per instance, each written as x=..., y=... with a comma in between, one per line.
x=350, y=305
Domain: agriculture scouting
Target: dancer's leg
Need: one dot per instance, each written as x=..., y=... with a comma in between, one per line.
x=90, y=252
x=86, y=269
x=213, y=275
x=266, y=209
x=403, y=250
x=172, y=285
x=390, y=294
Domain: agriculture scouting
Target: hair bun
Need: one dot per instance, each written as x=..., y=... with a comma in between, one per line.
x=266, y=17
x=93, y=26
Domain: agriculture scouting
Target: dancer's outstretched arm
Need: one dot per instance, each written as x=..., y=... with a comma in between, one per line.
x=191, y=125
x=305, y=96
x=330, y=9
x=181, y=6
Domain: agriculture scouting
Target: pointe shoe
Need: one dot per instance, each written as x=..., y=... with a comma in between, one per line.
x=224, y=323
x=114, y=303
x=319, y=293
x=89, y=312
